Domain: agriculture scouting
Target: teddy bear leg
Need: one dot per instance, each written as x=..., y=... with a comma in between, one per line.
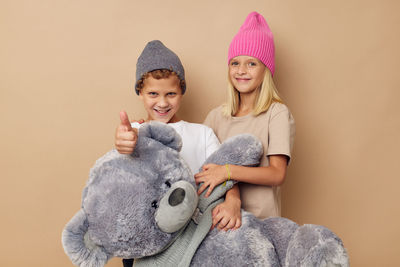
x=314, y=245
x=280, y=230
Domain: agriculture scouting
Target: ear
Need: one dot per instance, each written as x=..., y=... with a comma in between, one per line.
x=78, y=246
x=162, y=133
x=244, y=150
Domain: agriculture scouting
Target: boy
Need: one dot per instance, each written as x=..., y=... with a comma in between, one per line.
x=160, y=84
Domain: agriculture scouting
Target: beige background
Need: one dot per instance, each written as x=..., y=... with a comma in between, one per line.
x=67, y=69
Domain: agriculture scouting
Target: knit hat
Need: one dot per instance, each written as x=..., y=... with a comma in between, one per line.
x=157, y=56
x=254, y=39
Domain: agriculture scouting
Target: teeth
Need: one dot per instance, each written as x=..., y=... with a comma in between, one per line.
x=161, y=111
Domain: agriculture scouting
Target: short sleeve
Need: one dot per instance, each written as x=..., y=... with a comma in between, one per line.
x=209, y=121
x=136, y=125
x=212, y=142
x=281, y=132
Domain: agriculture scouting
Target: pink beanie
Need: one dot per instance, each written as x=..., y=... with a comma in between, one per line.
x=254, y=39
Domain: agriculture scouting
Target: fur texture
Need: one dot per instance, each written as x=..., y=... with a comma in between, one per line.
x=127, y=197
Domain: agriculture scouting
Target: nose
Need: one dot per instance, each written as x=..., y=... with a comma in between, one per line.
x=177, y=196
x=162, y=102
x=242, y=69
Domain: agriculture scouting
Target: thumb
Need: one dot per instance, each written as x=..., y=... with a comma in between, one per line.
x=215, y=211
x=125, y=120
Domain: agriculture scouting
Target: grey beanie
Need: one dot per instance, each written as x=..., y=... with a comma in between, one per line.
x=157, y=56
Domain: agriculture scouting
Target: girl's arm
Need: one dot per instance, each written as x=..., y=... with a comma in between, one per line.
x=273, y=175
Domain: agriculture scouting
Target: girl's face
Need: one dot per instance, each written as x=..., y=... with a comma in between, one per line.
x=246, y=73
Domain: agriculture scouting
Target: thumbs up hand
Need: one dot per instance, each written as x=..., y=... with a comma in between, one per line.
x=125, y=135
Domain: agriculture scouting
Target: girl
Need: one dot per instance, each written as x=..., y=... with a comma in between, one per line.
x=255, y=107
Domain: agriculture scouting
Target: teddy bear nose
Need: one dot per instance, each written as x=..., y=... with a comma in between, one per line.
x=176, y=197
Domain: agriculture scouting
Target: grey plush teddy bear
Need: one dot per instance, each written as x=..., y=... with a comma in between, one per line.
x=145, y=206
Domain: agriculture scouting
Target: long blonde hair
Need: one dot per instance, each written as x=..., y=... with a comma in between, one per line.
x=266, y=95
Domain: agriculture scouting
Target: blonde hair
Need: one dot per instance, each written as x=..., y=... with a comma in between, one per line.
x=266, y=95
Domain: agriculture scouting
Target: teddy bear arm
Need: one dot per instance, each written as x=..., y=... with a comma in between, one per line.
x=243, y=149
x=78, y=246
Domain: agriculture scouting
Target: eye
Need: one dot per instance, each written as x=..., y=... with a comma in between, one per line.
x=252, y=64
x=167, y=183
x=154, y=204
x=152, y=94
x=234, y=63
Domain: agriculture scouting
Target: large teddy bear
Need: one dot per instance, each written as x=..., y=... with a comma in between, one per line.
x=145, y=206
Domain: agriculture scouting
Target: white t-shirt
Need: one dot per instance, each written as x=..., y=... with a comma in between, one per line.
x=198, y=142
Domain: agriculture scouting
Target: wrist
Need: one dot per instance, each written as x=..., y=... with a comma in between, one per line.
x=227, y=175
x=233, y=198
x=234, y=202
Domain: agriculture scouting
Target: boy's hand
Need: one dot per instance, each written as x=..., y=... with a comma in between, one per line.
x=125, y=135
x=227, y=215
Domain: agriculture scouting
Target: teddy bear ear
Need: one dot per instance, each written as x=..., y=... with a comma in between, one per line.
x=78, y=246
x=162, y=133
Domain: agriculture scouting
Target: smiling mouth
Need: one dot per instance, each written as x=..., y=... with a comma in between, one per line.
x=162, y=112
x=242, y=80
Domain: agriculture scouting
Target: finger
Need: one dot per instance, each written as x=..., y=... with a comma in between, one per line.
x=201, y=174
x=125, y=120
x=217, y=219
x=215, y=211
x=237, y=224
x=202, y=188
x=122, y=144
x=229, y=226
x=221, y=225
x=127, y=152
x=198, y=180
x=126, y=136
x=209, y=191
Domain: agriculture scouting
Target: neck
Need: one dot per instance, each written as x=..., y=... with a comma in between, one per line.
x=246, y=104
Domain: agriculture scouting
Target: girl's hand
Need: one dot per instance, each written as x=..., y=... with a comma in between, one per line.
x=227, y=215
x=211, y=176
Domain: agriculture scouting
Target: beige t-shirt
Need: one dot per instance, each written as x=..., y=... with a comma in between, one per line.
x=275, y=129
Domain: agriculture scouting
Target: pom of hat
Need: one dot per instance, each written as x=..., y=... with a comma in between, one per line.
x=254, y=39
x=157, y=56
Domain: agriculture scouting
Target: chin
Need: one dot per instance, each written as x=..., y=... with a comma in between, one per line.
x=163, y=119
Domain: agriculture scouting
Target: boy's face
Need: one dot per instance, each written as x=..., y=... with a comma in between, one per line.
x=161, y=98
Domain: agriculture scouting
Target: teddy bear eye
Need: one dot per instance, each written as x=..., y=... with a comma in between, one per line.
x=154, y=204
x=167, y=183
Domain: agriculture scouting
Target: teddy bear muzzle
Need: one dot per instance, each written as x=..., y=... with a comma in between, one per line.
x=176, y=207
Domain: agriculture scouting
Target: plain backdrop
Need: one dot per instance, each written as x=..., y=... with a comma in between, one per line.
x=67, y=69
